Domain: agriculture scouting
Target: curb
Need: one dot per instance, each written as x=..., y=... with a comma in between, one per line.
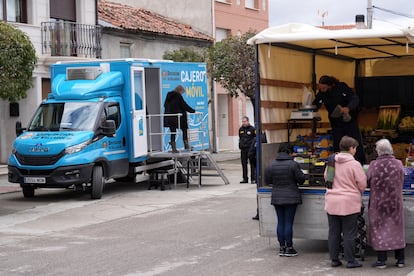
x=3, y=170
x=9, y=189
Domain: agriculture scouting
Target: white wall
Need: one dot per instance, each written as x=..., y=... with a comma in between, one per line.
x=225, y=142
x=37, y=11
x=140, y=48
x=26, y=107
x=85, y=12
x=250, y=111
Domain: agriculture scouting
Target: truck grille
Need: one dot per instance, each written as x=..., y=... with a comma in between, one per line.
x=39, y=160
x=35, y=172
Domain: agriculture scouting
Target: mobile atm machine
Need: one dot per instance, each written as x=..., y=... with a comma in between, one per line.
x=377, y=63
x=93, y=125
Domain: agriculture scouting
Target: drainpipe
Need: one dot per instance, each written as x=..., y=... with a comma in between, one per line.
x=96, y=12
x=213, y=88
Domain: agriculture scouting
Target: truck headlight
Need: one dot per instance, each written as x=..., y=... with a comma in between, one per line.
x=77, y=148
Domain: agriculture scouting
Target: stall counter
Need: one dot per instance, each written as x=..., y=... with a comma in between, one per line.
x=311, y=221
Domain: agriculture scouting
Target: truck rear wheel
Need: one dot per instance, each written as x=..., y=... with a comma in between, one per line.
x=97, y=182
x=28, y=191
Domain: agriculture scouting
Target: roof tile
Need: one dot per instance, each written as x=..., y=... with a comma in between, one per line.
x=338, y=27
x=138, y=19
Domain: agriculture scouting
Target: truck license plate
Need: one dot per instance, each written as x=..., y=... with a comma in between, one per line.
x=36, y=180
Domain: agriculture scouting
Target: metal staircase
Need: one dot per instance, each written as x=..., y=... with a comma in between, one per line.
x=211, y=165
x=199, y=166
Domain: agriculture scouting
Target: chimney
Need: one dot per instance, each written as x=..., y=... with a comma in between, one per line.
x=360, y=21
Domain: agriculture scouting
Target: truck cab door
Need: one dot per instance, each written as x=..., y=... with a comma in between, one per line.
x=139, y=123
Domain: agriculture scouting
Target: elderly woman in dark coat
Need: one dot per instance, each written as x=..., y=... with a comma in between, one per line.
x=285, y=175
x=386, y=213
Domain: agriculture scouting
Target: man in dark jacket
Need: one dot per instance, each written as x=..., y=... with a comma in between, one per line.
x=342, y=105
x=247, y=134
x=285, y=175
x=174, y=104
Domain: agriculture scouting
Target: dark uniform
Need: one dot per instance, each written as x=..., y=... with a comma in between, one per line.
x=342, y=95
x=247, y=134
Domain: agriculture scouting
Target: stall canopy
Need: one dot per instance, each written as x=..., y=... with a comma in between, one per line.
x=350, y=43
x=293, y=56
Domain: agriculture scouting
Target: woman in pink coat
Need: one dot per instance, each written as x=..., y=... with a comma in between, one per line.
x=385, y=211
x=343, y=202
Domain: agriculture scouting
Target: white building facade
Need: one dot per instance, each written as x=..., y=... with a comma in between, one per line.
x=59, y=30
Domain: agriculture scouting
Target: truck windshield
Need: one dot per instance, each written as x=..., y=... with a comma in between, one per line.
x=65, y=116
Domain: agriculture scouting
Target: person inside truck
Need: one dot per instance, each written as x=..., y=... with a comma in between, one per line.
x=175, y=104
x=342, y=106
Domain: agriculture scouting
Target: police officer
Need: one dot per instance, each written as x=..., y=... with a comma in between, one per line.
x=247, y=135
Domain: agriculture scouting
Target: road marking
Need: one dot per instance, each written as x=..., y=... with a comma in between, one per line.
x=46, y=249
x=163, y=268
x=9, y=222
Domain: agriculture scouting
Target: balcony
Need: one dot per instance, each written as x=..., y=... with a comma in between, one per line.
x=67, y=39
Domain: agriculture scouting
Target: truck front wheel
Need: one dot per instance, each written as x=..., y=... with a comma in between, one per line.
x=28, y=191
x=97, y=182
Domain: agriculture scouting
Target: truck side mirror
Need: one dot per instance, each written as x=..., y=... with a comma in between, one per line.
x=19, y=128
x=108, y=128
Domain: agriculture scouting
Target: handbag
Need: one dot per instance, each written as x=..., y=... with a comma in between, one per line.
x=330, y=172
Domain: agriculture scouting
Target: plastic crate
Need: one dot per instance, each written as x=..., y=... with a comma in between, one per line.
x=408, y=178
x=324, y=152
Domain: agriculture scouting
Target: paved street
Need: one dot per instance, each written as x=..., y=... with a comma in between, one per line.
x=133, y=231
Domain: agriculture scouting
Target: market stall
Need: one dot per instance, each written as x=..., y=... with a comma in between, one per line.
x=376, y=63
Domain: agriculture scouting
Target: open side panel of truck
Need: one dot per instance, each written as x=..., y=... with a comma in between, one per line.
x=139, y=123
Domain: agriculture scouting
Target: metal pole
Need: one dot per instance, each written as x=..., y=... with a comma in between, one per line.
x=370, y=12
x=213, y=114
x=258, y=122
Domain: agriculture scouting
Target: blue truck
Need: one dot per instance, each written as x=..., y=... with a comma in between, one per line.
x=94, y=124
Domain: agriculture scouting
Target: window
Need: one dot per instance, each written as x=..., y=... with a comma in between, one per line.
x=124, y=50
x=221, y=34
x=63, y=37
x=112, y=113
x=251, y=4
x=224, y=1
x=63, y=9
x=138, y=89
x=74, y=116
x=13, y=10
x=63, y=28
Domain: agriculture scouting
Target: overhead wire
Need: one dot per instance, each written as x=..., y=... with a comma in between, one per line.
x=394, y=12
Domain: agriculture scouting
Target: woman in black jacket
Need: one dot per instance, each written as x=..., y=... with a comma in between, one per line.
x=174, y=104
x=285, y=175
